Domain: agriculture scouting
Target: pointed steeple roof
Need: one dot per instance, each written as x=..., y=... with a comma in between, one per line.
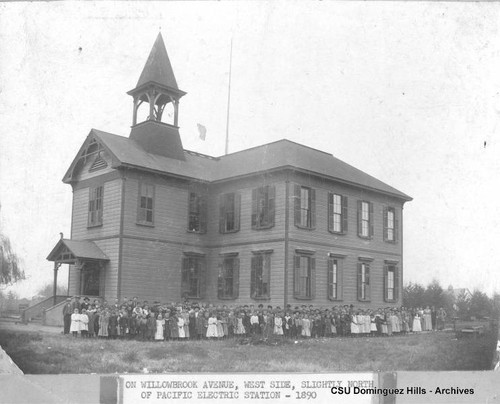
x=158, y=68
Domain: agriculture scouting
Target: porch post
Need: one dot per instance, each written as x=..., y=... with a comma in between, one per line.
x=56, y=266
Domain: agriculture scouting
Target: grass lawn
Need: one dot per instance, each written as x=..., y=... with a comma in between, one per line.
x=41, y=352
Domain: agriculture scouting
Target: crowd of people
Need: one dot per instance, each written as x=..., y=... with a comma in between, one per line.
x=132, y=319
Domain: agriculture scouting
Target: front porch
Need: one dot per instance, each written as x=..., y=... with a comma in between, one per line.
x=87, y=258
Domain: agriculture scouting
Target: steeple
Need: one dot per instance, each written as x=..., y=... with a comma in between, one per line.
x=157, y=85
x=158, y=88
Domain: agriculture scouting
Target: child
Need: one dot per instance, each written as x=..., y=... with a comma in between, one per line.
x=278, y=324
x=103, y=323
x=254, y=324
x=84, y=323
x=212, y=326
x=150, y=326
x=113, y=325
x=160, y=322
x=75, y=323
x=180, y=326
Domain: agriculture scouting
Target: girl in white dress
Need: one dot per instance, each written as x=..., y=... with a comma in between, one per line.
x=83, y=325
x=160, y=322
x=75, y=323
x=180, y=325
x=416, y=323
x=306, y=326
x=278, y=325
x=212, y=326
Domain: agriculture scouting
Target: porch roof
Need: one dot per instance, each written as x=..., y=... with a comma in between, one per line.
x=70, y=250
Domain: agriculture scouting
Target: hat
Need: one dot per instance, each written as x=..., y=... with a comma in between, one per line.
x=68, y=299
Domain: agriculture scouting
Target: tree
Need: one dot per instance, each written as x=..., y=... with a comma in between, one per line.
x=413, y=295
x=10, y=269
x=462, y=303
x=480, y=305
x=48, y=290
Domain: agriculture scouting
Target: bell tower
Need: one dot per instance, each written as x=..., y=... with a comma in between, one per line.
x=158, y=89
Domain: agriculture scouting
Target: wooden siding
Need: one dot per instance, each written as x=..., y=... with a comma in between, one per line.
x=111, y=212
x=151, y=270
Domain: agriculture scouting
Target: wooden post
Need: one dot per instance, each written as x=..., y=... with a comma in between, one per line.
x=56, y=266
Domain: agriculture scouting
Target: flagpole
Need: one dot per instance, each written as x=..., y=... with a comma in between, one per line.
x=229, y=97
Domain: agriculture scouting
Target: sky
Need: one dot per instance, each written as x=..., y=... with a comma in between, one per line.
x=408, y=92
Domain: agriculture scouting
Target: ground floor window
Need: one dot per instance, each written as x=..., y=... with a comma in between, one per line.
x=228, y=282
x=193, y=276
x=260, y=276
x=391, y=283
x=304, y=276
x=363, y=281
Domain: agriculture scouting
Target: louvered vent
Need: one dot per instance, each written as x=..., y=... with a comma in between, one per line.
x=98, y=164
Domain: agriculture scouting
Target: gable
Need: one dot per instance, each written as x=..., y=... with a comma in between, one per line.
x=93, y=159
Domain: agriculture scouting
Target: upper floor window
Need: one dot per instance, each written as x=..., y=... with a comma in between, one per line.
x=337, y=213
x=197, y=215
x=365, y=219
x=363, y=281
x=146, y=203
x=391, y=283
x=263, y=207
x=228, y=282
x=260, y=275
x=390, y=225
x=193, y=276
x=305, y=207
x=229, y=208
x=335, y=278
x=95, y=206
x=304, y=276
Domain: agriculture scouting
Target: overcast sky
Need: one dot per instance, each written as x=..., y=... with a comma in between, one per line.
x=407, y=92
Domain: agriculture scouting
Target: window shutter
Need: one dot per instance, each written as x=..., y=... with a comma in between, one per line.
x=313, y=208
x=370, y=204
x=297, y=205
x=236, y=278
x=184, y=276
x=344, y=214
x=330, y=279
x=189, y=209
x=367, y=283
x=220, y=280
x=296, y=276
x=360, y=232
x=203, y=278
x=272, y=196
x=266, y=266
x=396, y=227
x=222, y=214
x=203, y=213
x=253, y=276
x=313, y=278
x=330, y=212
x=254, y=208
x=396, y=283
x=386, y=281
x=340, y=279
x=360, y=284
x=237, y=209
x=386, y=224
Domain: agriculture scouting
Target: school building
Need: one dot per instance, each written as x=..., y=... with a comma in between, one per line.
x=277, y=224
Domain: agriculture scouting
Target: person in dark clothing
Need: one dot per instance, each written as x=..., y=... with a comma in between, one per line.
x=67, y=312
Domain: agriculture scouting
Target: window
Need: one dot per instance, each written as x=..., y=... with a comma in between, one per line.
x=146, y=203
x=260, y=275
x=337, y=213
x=304, y=276
x=197, y=215
x=228, y=284
x=363, y=281
x=95, y=206
x=193, y=276
x=334, y=278
x=365, y=219
x=391, y=283
x=305, y=207
x=263, y=207
x=390, y=225
x=229, y=217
